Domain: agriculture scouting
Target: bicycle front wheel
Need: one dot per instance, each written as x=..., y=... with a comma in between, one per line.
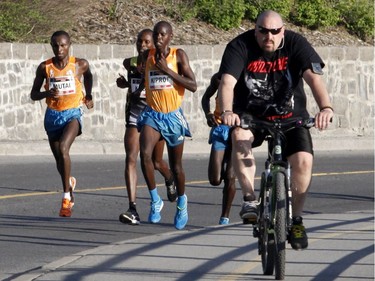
x=280, y=225
x=266, y=242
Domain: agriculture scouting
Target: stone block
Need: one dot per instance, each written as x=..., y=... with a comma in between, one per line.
x=105, y=52
x=124, y=51
x=351, y=54
x=38, y=52
x=19, y=51
x=6, y=51
x=85, y=51
x=366, y=54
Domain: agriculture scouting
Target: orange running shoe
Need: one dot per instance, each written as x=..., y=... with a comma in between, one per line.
x=66, y=209
x=72, y=183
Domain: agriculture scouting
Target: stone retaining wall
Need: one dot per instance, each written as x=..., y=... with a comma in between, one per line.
x=349, y=75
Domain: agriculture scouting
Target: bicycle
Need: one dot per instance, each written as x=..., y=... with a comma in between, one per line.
x=274, y=221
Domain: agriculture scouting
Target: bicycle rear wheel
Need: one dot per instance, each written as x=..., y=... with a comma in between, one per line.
x=280, y=225
x=266, y=242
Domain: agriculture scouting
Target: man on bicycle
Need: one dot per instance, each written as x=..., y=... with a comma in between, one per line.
x=262, y=74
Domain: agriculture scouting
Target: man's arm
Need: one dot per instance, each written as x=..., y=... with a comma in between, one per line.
x=210, y=91
x=320, y=93
x=84, y=68
x=121, y=81
x=40, y=76
x=225, y=96
x=185, y=76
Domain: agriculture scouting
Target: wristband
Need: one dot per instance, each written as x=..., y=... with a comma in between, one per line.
x=225, y=111
x=326, y=107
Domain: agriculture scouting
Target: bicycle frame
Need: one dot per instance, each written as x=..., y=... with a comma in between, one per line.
x=276, y=164
x=275, y=200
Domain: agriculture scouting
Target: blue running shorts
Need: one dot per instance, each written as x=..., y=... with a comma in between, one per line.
x=172, y=126
x=55, y=121
x=219, y=137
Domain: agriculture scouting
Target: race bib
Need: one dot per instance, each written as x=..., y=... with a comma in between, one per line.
x=65, y=84
x=134, y=84
x=160, y=82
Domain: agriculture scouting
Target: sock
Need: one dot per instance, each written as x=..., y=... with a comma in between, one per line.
x=67, y=195
x=181, y=201
x=133, y=206
x=154, y=194
x=297, y=220
x=169, y=181
x=249, y=198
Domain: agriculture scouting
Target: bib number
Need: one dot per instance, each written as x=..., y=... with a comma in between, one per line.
x=134, y=84
x=65, y=84
x=160, y=82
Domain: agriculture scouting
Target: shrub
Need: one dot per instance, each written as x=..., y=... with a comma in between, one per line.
x=18, y=19
x=224, y=14
x=358, y=17
x=255, y=7
x=314, y=14
x=180, y=10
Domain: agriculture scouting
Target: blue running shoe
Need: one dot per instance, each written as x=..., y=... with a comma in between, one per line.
x=156, y=207
x=181, y=217
x=223, y=221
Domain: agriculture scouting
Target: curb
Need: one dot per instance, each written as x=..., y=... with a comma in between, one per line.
x=192, y=146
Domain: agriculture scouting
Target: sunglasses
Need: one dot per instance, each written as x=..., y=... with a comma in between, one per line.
x=273, y=31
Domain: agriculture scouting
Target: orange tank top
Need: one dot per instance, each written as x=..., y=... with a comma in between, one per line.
x=68, y=84
x=162, y=94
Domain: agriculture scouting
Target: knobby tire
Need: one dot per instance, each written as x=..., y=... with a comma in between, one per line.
x=266, y=239
x=280, y=225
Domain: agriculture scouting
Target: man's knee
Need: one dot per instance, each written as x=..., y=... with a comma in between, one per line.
x=301, y=162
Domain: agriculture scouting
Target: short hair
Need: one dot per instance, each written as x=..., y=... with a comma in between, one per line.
x=164, y=23
x=146, y=30
x=59, y=33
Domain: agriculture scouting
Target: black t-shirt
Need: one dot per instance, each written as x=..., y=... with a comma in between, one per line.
x=270, y=85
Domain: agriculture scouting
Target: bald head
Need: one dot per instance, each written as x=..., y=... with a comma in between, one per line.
x=271, y=18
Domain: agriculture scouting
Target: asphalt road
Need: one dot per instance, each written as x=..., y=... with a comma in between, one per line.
x=32, y=234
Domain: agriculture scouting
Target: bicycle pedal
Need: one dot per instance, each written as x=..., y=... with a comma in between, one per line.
x=249, y=221
x=255, y=232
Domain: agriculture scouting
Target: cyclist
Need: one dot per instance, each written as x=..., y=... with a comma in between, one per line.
x=219, y=166
x=263, y=71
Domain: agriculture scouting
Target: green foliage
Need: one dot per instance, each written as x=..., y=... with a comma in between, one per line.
x=180, y=10
x=18, y=19
x=23, y=20
x=255, y=7
x=358, y=17
x=224, y=14
x=315, y=13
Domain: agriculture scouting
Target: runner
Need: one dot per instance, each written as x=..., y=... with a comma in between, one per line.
x=62, y=75
x=134, y=106
x=167, y=75
x=219, y=166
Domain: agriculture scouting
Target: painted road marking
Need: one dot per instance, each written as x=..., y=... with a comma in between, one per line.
x=142, y=186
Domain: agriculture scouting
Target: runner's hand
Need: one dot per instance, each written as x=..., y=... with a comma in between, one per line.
x=211, y=120
x=122, y=82
x=88, y=102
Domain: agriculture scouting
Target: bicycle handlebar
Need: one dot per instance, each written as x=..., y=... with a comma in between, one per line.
x=281, y=124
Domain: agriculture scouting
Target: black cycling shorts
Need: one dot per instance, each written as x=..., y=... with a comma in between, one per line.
x=297, y=140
